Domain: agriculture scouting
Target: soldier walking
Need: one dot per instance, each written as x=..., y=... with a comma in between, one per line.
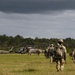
x=73, y=55
x=50, y=52
x=60, y=56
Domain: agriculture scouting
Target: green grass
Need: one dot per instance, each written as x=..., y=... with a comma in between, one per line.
x=23, y=64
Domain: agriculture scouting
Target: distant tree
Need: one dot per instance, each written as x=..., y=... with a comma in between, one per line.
x=18, y=41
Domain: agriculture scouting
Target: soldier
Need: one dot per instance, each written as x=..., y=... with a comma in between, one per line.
x=50, y=52
x=73, y=55
x=60, y=56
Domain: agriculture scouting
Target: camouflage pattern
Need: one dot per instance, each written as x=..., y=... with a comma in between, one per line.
x=61, y=58
x=73, y=55
x=50, y=50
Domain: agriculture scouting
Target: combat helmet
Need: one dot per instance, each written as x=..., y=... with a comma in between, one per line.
x=60, y=41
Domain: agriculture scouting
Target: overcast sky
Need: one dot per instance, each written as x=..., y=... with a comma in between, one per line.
x=38, y=18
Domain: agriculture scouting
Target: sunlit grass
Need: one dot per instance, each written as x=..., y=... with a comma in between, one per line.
x=23, y=64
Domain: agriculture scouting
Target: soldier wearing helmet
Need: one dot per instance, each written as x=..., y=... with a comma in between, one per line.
x=50, y=52
x=60, y=61
x=60, y=42
x=73, y=55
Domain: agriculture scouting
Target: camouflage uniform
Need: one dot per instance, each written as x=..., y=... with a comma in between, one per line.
x=61, y=60
x=50, y=52
x=73, y=55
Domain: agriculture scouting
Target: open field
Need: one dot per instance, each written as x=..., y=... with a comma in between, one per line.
x=23, y=64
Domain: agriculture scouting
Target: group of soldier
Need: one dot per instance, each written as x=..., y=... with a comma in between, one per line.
x=57, y=54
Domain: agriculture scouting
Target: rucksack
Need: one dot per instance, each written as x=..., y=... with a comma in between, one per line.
x=59, y=52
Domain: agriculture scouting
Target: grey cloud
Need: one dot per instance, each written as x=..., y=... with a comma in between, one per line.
x=59, y=25
x=35, y=6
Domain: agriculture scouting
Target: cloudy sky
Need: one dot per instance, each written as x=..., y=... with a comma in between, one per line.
x=38, y=18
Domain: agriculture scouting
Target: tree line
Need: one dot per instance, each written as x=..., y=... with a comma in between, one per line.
x=6, y=42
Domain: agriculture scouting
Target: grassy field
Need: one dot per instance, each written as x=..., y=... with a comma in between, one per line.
x=23, y=64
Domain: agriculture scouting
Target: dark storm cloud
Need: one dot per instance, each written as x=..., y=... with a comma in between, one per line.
x=61, y=25
x=35, y=6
